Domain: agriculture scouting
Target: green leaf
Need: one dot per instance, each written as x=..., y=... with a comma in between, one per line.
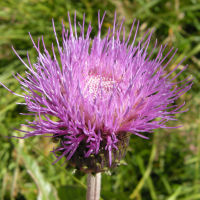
x=45, y=190
x=71, y=192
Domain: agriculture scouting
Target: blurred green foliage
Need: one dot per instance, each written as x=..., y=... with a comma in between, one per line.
x=165, y=167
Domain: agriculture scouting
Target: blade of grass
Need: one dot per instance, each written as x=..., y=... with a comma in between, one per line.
x=197, y=164
x=175, y=194
x=149, y=179
x=146, y=174
x=3, y=189
x=146, y=6
x=61, y=168
x=194, y=51
x=45, y=190
x=19, y=146
x=192, y=197
x=166, y=184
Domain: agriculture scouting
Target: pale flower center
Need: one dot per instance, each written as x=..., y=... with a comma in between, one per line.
x=95, y=84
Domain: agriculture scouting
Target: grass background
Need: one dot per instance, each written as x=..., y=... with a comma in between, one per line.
x=165, y=167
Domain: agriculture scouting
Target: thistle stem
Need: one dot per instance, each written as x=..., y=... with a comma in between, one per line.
x=93, y=186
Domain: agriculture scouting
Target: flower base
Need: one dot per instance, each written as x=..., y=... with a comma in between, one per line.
x=96, y=163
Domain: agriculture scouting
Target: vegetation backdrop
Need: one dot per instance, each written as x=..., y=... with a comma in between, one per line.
x=165, y=167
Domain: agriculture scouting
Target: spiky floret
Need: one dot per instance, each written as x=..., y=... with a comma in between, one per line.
x=98, y=93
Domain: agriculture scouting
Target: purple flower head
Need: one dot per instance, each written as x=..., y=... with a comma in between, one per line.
x=100, y=94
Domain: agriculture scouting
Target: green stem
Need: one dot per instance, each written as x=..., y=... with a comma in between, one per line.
x=93, y=186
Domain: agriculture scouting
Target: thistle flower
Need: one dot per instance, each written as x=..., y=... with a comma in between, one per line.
x=101, y=95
